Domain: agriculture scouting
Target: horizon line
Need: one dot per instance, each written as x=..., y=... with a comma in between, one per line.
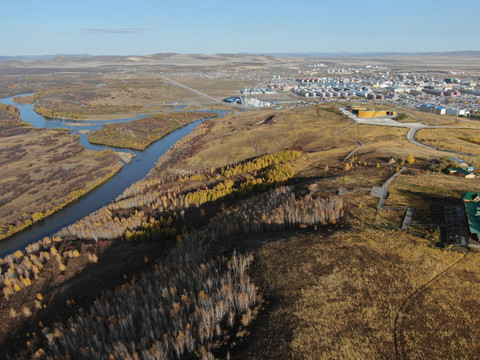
x=272, y=53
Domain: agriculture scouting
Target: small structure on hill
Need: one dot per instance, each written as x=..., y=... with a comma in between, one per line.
x=460, y=171
x=458, y=161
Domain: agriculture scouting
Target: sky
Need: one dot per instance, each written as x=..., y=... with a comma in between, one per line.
x=143, y=27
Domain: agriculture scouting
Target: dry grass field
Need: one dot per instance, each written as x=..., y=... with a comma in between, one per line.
x=445, y=313
x=336, y=292
x=124, y=96
x=109, y=98
x=460, y=140
x=245, y=135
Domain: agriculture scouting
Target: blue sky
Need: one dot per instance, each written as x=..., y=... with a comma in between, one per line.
x=141, y=27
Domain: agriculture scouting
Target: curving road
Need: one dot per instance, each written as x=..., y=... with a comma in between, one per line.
x=413, y=128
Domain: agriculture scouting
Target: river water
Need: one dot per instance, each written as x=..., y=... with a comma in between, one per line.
x=135, y=170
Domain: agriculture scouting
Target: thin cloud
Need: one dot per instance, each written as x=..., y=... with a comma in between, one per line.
x=118, y=30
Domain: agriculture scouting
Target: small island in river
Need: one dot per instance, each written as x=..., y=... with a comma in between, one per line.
x=139, y=134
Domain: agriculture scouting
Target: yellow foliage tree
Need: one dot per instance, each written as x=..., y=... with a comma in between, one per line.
x=410, y=159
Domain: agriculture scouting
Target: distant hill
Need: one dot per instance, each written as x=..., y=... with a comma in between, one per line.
x=164, y=59
x=22, y=63
x=370, y=54
x=37, y=57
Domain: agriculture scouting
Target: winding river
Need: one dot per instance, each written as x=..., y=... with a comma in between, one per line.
x=143, y=162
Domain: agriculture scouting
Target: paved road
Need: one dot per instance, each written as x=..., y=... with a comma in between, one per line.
x=188, y=88
x=413, y=128
x=203, y=94
x=411, y=137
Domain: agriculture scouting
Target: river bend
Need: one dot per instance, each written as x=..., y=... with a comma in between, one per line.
x=135, y=170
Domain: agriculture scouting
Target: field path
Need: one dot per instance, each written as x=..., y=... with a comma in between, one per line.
x=412, y=297
x=361, y=144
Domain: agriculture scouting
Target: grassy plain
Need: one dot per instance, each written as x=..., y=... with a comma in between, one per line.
x=335, y=293
x=124, y=95
x=245, y=135
x=324, y=136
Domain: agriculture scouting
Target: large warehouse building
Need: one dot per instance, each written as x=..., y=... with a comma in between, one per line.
x=370, y=113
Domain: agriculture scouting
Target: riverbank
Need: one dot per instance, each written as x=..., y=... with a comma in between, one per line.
x=43, y=171
x=139, y=165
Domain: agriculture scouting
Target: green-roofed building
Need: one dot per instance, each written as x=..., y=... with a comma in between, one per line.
x=462, y=172
x=472, y=206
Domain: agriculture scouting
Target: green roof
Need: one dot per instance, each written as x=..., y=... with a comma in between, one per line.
x=461, y=171
x=472, y=209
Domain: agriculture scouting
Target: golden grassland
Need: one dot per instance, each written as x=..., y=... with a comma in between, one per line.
x=324, y=137
x=132, y=96
x=245, y=135
x=428, y=185
x=44, y=170
x=381, y=142
x=336, y=293
x=128, y=96
x=139, y=134
x=460, y=140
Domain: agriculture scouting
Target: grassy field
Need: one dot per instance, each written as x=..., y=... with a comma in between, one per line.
x=421, y=331
x=249, y=134
x=335, y=294
x=117, y=96
x=139, y=134
x=460, y=140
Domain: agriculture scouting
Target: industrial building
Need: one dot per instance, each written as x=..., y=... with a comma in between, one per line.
x=370, y=113
x=434, y=109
